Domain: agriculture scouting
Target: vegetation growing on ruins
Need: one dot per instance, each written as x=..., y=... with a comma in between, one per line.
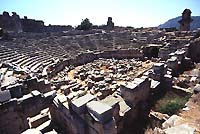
x=85, y=25
x=171, y=105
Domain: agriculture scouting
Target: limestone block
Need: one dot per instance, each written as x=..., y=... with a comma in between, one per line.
x=100, y=111
x=180, y=129
x=5, y=95
x=15, y=90
x=32, y=131
x=79, y=105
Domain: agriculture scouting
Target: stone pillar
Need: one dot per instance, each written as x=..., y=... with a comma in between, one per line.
x=6, y=21
x=110, y=24
x=186, y=20
x=16, y=22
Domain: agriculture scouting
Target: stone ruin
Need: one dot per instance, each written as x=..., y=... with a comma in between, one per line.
x=15, y=24
x=10, y=23
x=1, y=32
x=186, y=20
x=94, y=81
x=110, y=24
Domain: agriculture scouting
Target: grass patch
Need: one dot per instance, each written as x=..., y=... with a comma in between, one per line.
x=171, y=105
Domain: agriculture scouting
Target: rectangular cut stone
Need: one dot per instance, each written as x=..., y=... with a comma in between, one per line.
x=79, y=105
x=61, y=98
x=5, y=95
x=172, y=63
x=133, y=84
x=180, y=54
x=35, y=93
x=158, y=68
x=124, y=108
x=8, y=81
x=136, y=90
x=32, y=131
x=100, y=111
x=25, y=97
x=50, y=94
x=154, y=84
x=129, y=85
x=15, y=90
x=38, y=119
x=111, y=101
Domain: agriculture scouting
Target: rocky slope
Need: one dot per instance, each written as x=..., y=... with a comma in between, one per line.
x=174, y=23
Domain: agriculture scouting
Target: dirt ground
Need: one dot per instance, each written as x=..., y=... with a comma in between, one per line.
x=192, y=115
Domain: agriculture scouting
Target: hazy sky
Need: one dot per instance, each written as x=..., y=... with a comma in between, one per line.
x=136, y=13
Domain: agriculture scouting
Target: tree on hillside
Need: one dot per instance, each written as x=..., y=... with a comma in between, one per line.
x=85, y=25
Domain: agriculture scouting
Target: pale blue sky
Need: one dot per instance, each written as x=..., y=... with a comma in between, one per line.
x=136, y=13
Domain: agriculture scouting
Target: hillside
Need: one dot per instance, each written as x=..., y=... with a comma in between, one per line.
x=174, y=23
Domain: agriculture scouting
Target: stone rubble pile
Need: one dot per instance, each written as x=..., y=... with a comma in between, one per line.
x=95, y=81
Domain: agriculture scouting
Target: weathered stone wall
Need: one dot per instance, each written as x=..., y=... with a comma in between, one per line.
x=57, y=28
x=89, y=57
x=30, y=25
x=193, y=50
x=121, y=54
x=13, y=114
x=10, y=23
x=139, y=93
x=65, y=120
x=15, y=24
x=41, y=85
x=12, y=119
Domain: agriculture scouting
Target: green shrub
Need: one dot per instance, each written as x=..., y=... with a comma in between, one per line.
x=85, y=25
x=171, y=105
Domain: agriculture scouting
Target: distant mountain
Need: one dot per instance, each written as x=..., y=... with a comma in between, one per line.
x=174, y=23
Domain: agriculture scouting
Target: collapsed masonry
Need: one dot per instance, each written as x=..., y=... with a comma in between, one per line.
x=76, y=105
x=106, y=111
x=16, y=111
x=102, y=90
x=15, y=24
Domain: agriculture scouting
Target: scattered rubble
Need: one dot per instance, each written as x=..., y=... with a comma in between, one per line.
x=102, y=84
